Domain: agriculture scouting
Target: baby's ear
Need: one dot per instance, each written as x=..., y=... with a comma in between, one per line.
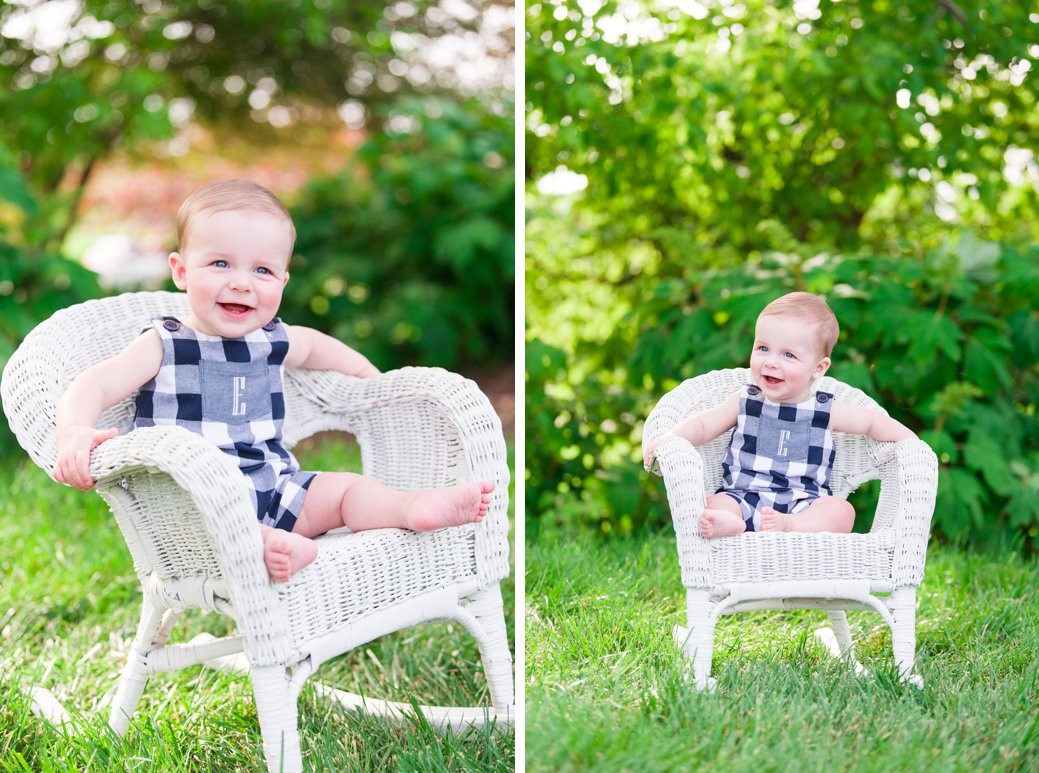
x=178, y=270
x=822, y=367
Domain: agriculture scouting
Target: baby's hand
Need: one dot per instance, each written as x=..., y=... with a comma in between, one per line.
x=74, y=446
x=650, y=451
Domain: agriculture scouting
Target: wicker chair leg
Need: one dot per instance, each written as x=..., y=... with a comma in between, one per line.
x=486, y=606
x=902, y=604
x=841, y=630
x=153, y=630
x=278, y=712
x=128, y=693
x=837, y=639
x=699, y=645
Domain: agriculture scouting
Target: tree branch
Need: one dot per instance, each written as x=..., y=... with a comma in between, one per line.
x=953, y=9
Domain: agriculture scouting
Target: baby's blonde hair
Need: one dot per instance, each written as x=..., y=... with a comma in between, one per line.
x=812, y=310
x=232, y=195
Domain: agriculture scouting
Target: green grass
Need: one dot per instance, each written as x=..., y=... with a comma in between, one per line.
x=69, y=608
x=606, y=689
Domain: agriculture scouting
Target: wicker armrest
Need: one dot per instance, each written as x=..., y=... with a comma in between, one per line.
x=186, y=456
x=220, y=493
x=419, y=427
x=909, y=481
x=681, y=466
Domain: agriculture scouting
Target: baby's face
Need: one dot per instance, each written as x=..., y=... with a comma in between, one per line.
x=233, y=268
x=786, y=358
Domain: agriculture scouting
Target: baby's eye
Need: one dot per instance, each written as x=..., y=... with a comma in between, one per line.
x=263, y=270
x=762, y=348
x=221, y=263
x=790, y=355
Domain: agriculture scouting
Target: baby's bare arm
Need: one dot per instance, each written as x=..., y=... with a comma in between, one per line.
x=709, y=424
x=309, y=348
x=873, y=424
x=701, y=427
x=99, y=387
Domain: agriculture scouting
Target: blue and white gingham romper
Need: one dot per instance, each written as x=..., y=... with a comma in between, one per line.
x=780, y=455
x=229, y=391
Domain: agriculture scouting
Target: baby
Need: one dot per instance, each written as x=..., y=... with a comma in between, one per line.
x=218, y=372
x=776, y=471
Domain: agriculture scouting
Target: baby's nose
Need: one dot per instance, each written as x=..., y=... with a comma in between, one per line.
x=239, y=282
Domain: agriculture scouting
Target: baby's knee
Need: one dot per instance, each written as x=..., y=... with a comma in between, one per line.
x=843, y=513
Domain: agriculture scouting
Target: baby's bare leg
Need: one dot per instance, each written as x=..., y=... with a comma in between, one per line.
x=722, y=517
x=337, y=499
x=831, y=514
x=285, y=553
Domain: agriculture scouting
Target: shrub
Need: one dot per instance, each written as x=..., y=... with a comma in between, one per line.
x=408, y=254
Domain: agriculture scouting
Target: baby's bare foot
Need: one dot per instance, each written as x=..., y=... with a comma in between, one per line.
x=773, y=521
x=720, y=523
x=450, y=506
x=286, y=553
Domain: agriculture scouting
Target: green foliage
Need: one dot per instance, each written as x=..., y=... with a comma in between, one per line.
x=948, y=343
x=729, y=154
x=839, y=121
x=580, y=432
x=33, y=285
x=409, y=252
x=79, y=80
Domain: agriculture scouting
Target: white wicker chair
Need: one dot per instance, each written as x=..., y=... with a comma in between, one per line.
x=835, y=572
x=185, y=513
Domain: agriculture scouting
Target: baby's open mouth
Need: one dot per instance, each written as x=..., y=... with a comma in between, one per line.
x=772, y=380
x=236, y=309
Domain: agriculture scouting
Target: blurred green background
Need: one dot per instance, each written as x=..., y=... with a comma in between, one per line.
x=688, y=162
x=386, y=128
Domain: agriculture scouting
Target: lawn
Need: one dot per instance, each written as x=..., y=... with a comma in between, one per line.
x=605, y=685
x=69, y=608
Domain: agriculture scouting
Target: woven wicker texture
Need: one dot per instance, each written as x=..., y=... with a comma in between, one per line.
x=187, y=518
x=889, y=559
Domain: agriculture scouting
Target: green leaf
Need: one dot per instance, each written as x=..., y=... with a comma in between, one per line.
x=1024, y=334
x=984, y=454
x=468, y=242
x=13, y=187
x=943, y=444
x=954, y=398
x=932, y=333
x=1024, y=506
x=985, y=368
x=963, y=491
x=543, y=361
x=978, y=258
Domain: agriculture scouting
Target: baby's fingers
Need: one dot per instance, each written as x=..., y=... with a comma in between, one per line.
x=649, y=452
x=104, y=434
x=70, y=475
x=73, y=465
x=75, y=471
x=80, y=473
